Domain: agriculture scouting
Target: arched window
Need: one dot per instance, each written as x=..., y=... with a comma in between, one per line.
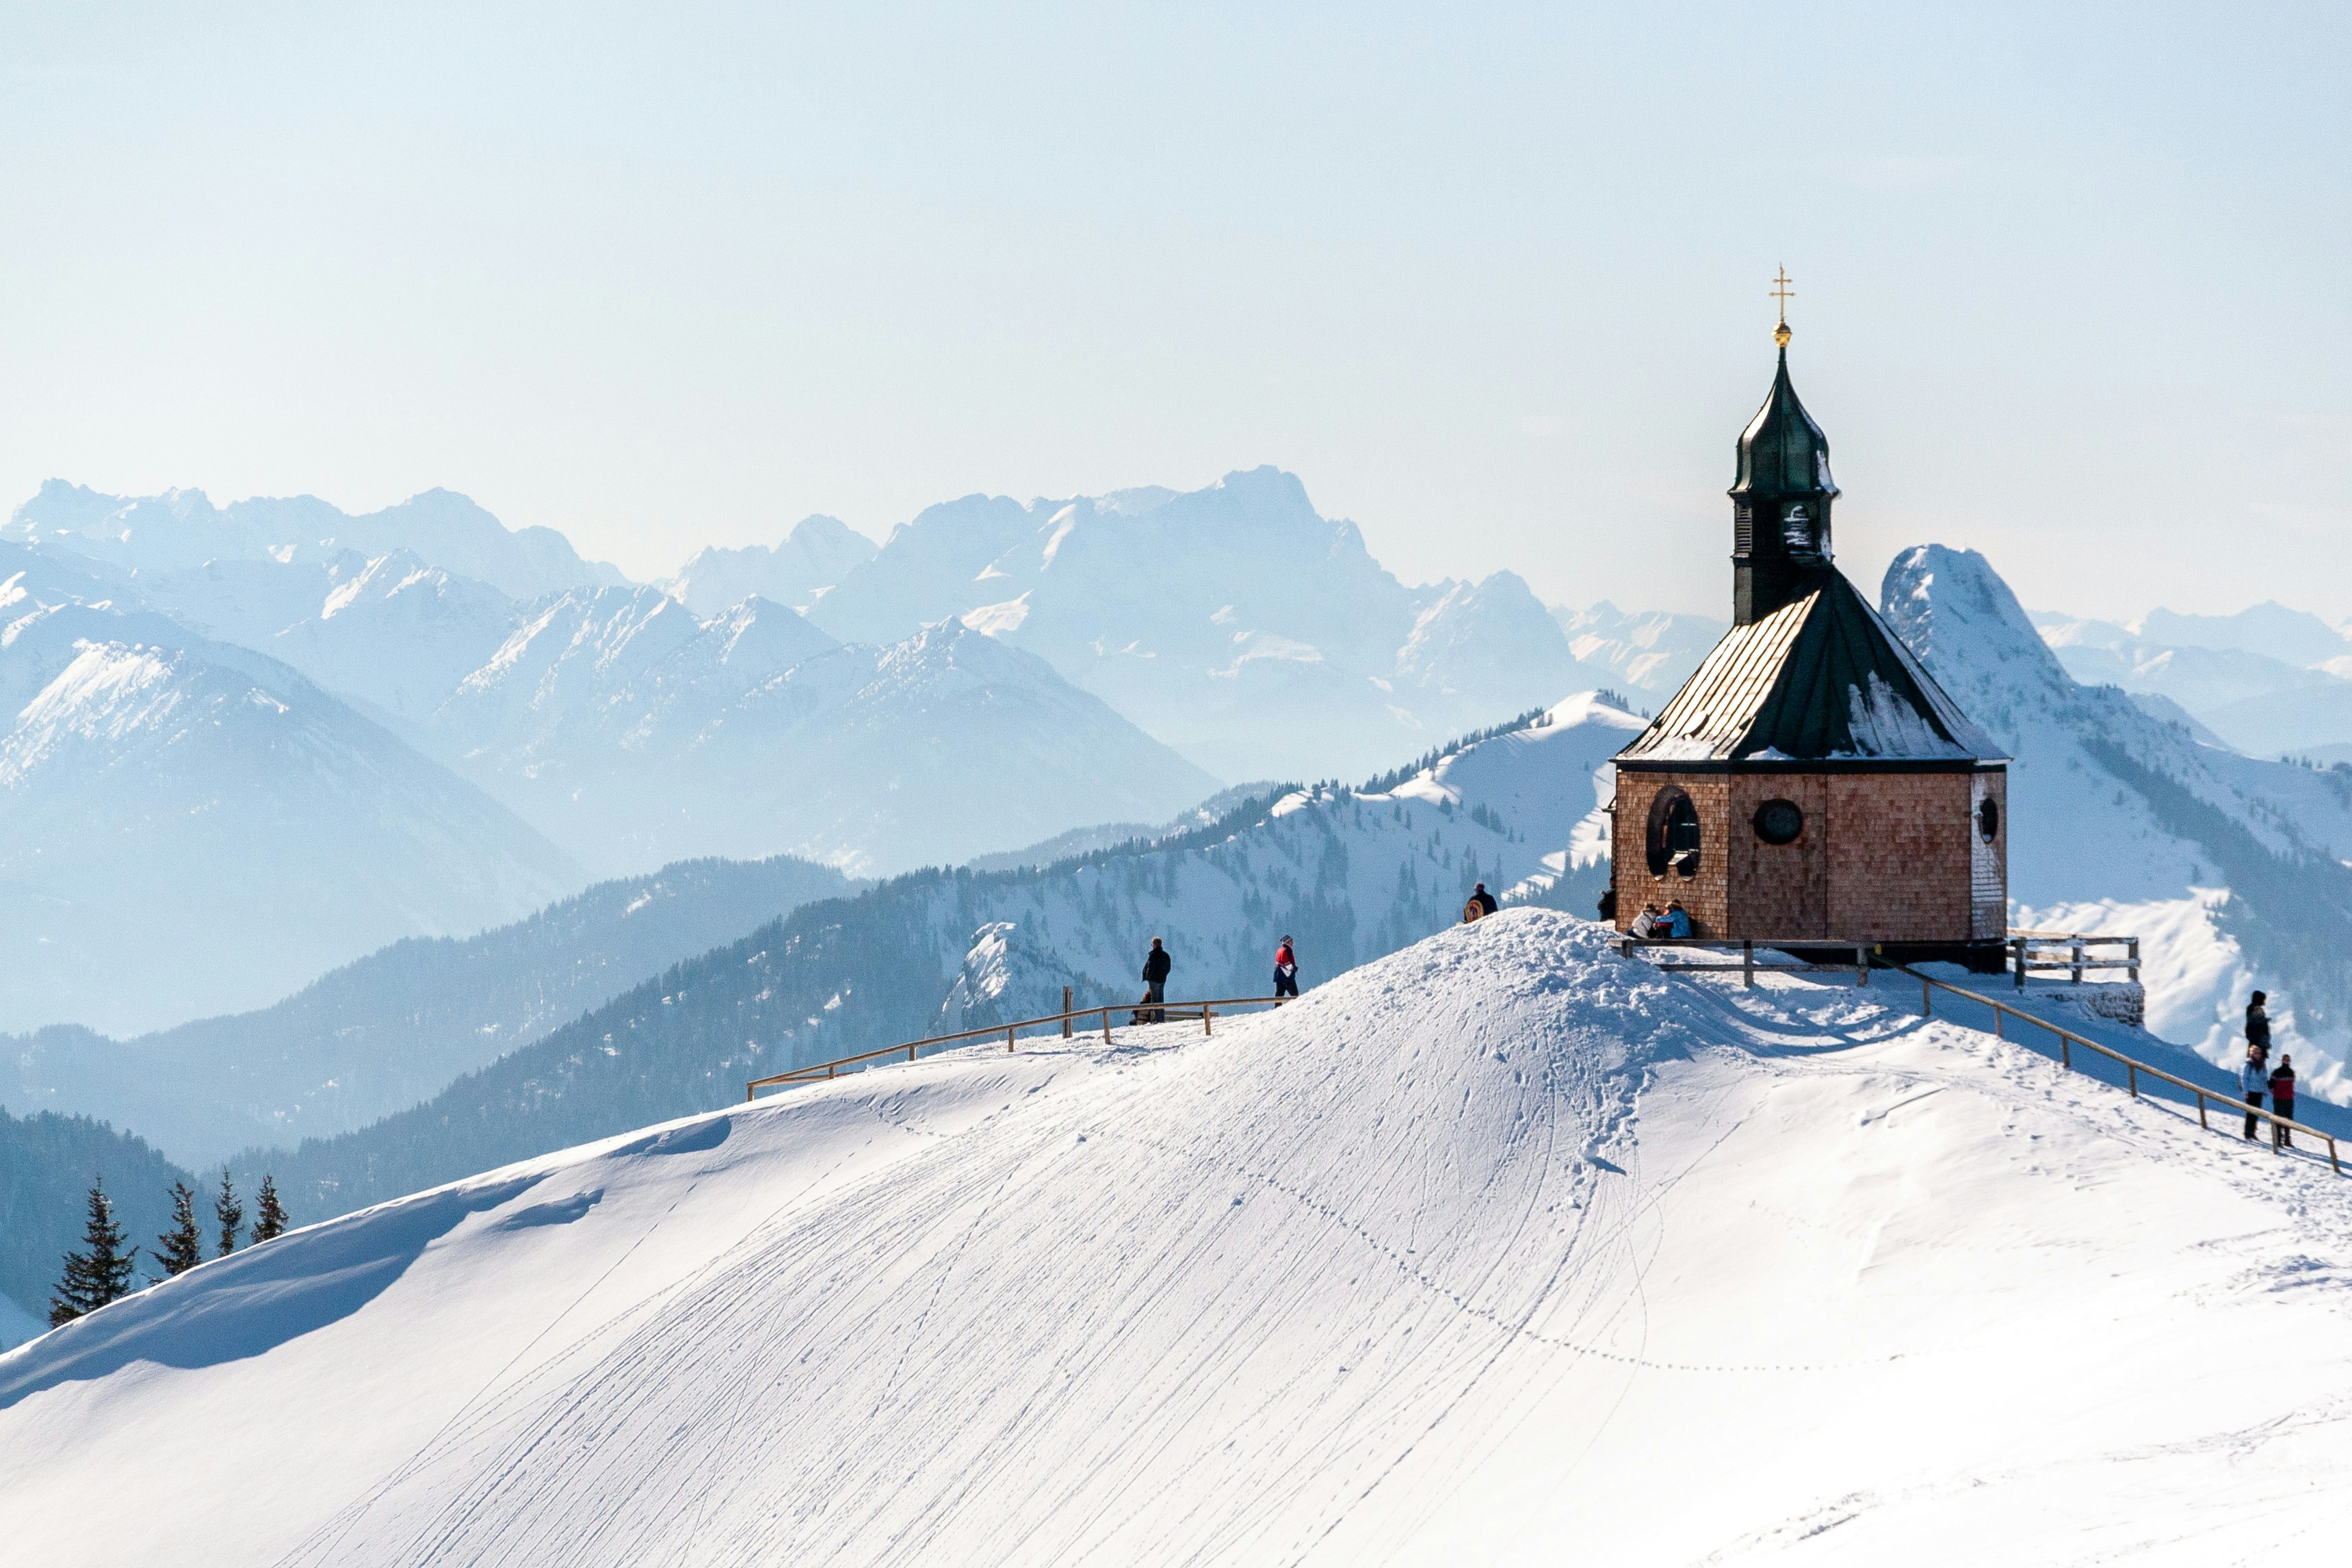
x=1674, y=837
x=1780, y=821
x=1988, y=820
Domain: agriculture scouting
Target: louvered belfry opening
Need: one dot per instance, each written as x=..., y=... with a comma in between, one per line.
x=1811, y=780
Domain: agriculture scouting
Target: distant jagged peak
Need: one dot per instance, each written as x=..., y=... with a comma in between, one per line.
x=179, y=528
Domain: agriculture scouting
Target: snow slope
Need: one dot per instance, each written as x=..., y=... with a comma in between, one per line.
x=1502, y=1250
x=1352, y=875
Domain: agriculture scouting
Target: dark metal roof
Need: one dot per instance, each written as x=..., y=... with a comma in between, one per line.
x=1820, y=678
x=1783, y=452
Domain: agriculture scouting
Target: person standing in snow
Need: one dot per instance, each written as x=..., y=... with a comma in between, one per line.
x=2253, y=1082
x=2258, y=1025
x=1480, y=905
x=1156, y=965
x=1607, y=906
x=2282, y=1100
x=1286, y=971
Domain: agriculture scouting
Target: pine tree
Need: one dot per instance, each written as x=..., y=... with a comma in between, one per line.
x=229, y=1213
x=100, y=1273
x=271, y=1219
x=182, y=1247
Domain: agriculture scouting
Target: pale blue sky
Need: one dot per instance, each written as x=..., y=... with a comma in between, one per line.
x=2071, y=285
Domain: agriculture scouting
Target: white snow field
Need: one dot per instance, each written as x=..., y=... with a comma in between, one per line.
x=1500, y=1249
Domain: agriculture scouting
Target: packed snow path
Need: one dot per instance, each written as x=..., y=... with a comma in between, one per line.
x=1500, y=1249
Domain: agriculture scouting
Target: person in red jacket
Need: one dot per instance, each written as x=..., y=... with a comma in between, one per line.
x=1286, y=971
x=2282, y=1100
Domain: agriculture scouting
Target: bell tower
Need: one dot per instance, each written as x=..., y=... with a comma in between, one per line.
x=1780, y=499
x=1811, y=782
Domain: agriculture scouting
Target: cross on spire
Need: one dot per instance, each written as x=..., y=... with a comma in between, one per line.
x=1781, y=291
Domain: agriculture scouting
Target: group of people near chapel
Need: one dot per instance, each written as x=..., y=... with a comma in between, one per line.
x=1673, y=921
x=2258, y=1077
x=1158, y=964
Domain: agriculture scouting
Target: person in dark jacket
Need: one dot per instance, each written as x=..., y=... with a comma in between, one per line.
x=1482, y=899
x=2283, y=1100
x=1609, y=906
x=1156, y=965
x=2253, y=1082
x=1286, y=971
x=2258, y=1025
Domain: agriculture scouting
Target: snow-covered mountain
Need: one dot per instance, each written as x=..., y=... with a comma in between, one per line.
x=1252, y=634
x=633, y=734
x=181, y=529
x=818, y=552
x=2233, y=869
x=1351, y=874
x=1648, y=652
x=1503, y=1250
x=190, y=828
x=399, y=1026
x=2267, y=681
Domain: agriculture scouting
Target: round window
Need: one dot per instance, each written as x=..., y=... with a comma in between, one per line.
x=1989, y=820
x=1674, y=836
x=1780, y=821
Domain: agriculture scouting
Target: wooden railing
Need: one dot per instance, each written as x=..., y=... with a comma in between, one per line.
x=1161, y=1012
x=1748, y=968
x=2134, y=1070
x=2064, y=953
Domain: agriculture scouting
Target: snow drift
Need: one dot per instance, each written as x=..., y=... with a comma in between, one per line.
x=1499, y=1249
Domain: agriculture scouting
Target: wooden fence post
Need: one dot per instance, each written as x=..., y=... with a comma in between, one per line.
x=1747, y=962
x=1205, y=1010
x=2134, y=960
x=1106, y=1025
x=1068, y=998
x=1926, y=1003
x=1008, y=1042
x=2018, y=944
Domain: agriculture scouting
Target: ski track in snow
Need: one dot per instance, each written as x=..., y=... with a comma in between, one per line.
x=1502, y=1248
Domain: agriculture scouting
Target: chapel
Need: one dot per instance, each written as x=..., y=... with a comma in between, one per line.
x=1811, y=780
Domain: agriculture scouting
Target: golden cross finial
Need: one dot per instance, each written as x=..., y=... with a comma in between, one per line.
x=1781, y=291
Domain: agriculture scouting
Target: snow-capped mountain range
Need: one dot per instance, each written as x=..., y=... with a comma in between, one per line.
x=1235, y=623
x=187, y=827
x=2268, y=680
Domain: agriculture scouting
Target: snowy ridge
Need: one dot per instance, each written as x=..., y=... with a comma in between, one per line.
x=1494, y=1244
x=2233, y=869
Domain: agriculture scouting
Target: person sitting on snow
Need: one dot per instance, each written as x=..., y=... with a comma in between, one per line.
x=1646, y=924
x=1678, y=921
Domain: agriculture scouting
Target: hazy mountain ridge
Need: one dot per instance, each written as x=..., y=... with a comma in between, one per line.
x=818, y=552
x=395, y=1027
x=1233, y=622
x=192, y=826
x=180, y=530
